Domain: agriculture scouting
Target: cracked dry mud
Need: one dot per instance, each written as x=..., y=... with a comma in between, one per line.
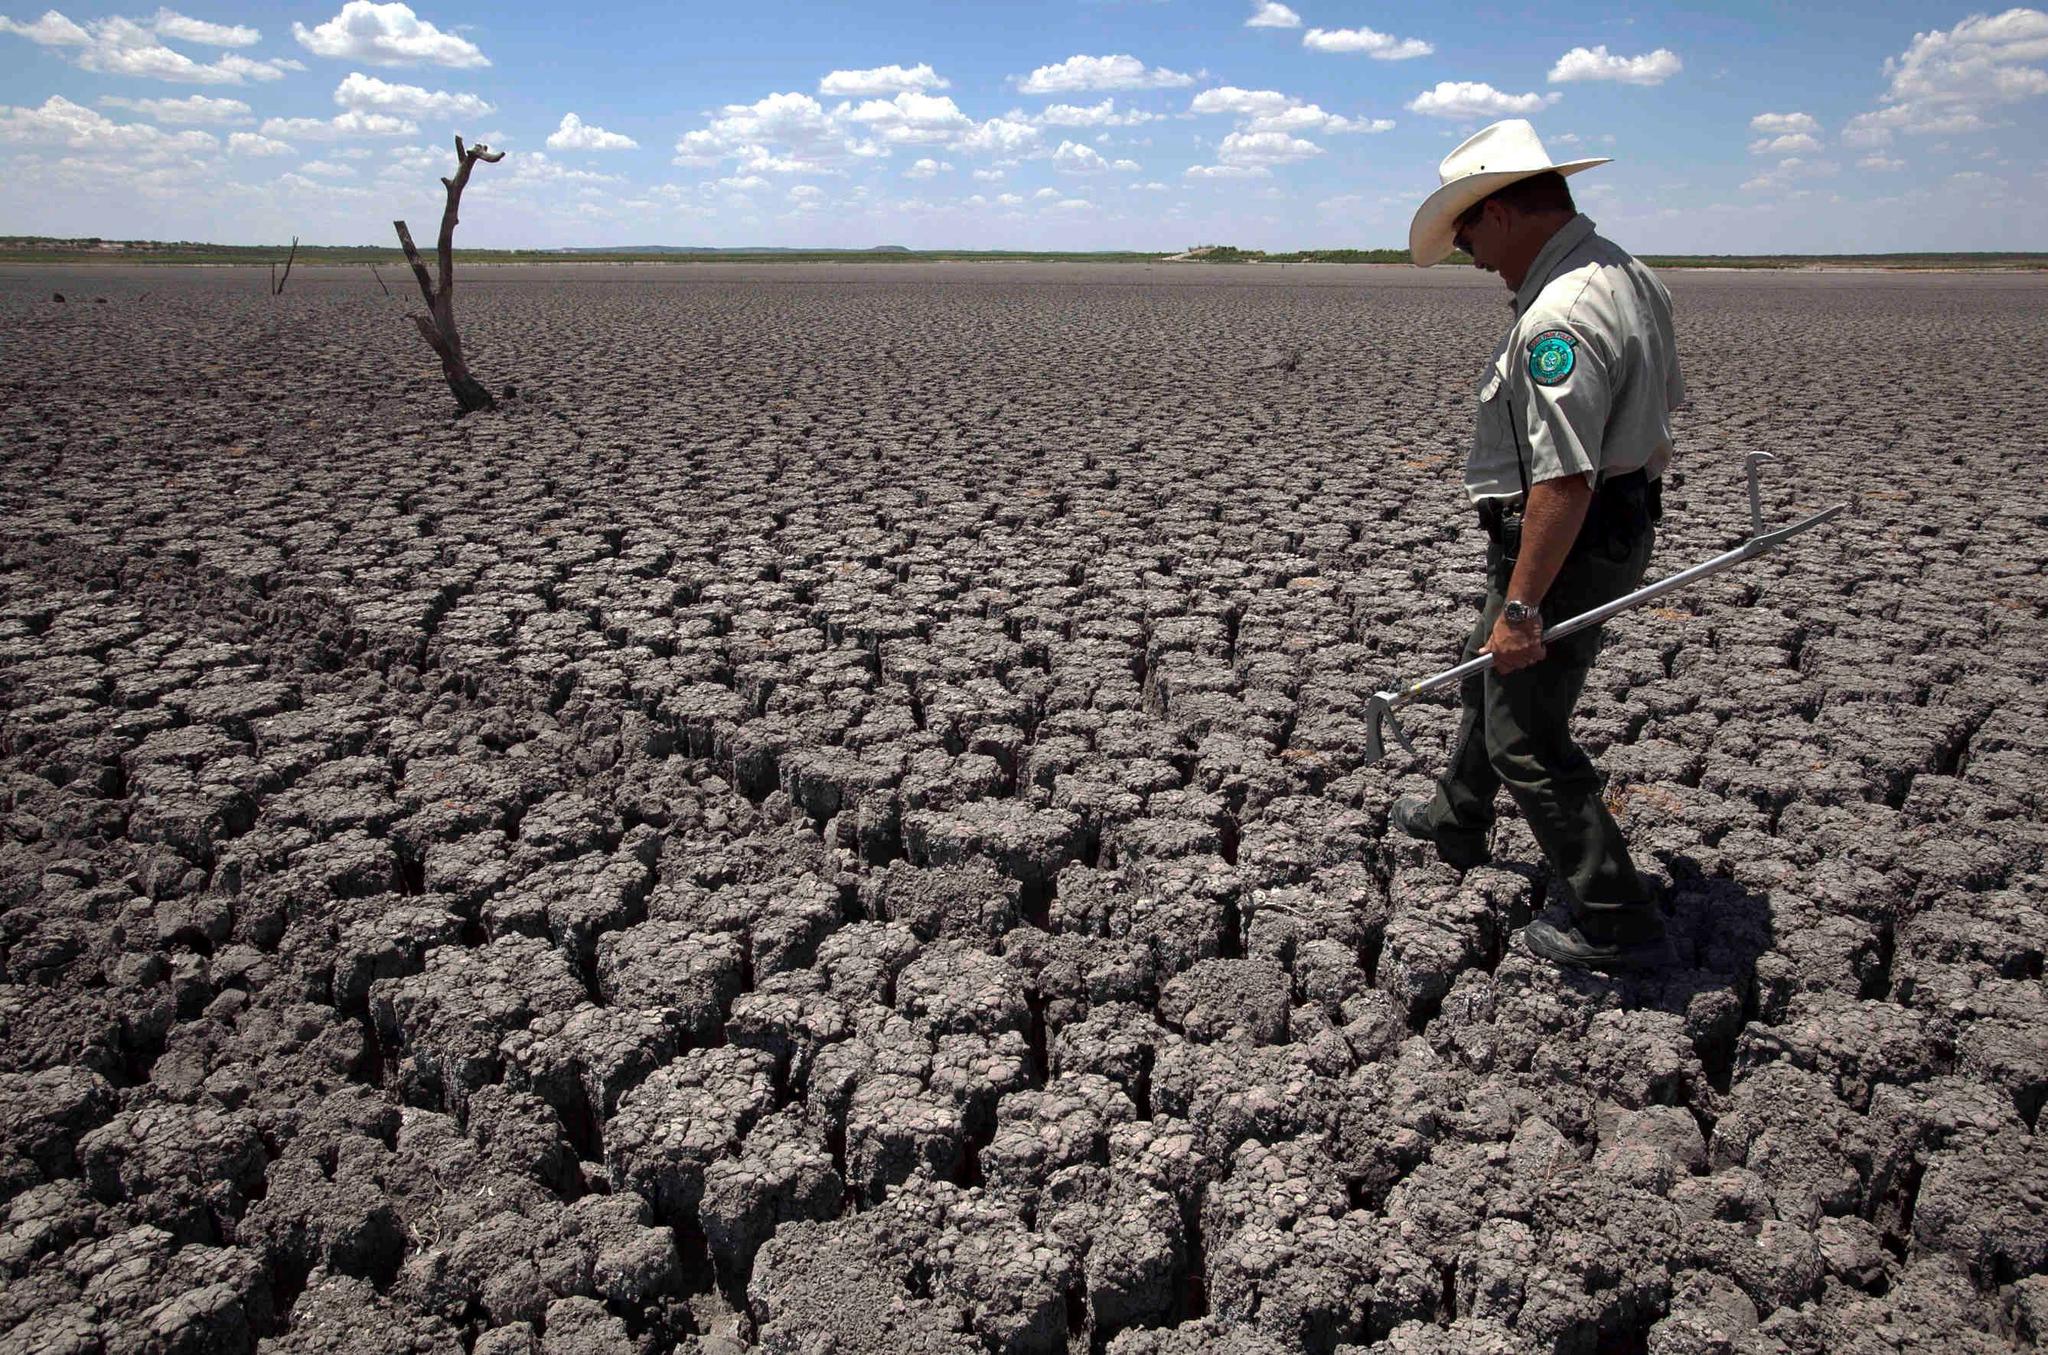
x=834, y=822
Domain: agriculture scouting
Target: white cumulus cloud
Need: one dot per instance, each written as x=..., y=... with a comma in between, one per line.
x=52, y=30
x=387, y=35
x=762, y=160
x=1073, y=157
x=1268, y=110
x=127, y=47
x=909, y=118
x=196, y=108
x=577, y=135
x=355, y=122
x=926, y=167
x=1378, y=46
x=366, y=93
x=1242, y=102
x=1778, y=124
x=152, y=60
x=179, y=28
x=1985, y=58
x=1227, y=172
x=1266, y=135
x=1000, y=136
x=1791, y=143
x=533, y=169
x=1272, y=14
x=1472, y=99
x=1100, y=72
x=1265, y=149
x=784, y=133
x=881, y=80
x=249, y=143
x=1104, y=114
x=61, y=122
x=1789, y=172
x=321, y=190
x=1597, y=63
x=793, y=133
x=1875, y=128
x=1949, y=81
x=412, y=160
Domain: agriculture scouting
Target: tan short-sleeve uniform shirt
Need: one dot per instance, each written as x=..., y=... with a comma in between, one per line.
x=1585, y=380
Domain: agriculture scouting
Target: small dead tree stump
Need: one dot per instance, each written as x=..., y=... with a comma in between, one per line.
x=277, y=283
x=437, y=326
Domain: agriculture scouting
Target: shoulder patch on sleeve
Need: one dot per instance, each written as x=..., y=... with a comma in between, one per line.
x=1552, y=355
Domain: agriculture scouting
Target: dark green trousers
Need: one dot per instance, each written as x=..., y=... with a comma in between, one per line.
x=1515, y=731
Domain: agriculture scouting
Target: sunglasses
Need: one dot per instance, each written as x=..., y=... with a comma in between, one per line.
x=1467, y=219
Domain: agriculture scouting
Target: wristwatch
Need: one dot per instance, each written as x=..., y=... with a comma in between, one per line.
x=1518, y=613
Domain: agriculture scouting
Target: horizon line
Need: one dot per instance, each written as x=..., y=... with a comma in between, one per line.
x=65, y=245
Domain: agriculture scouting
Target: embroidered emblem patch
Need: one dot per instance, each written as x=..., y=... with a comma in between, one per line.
x=1551, y=358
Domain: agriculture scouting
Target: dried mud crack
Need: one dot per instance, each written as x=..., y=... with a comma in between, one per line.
x=840, y=825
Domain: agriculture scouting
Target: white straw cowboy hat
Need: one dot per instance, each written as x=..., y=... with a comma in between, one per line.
x=1491, y=158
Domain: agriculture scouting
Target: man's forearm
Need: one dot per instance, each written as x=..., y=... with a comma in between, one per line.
x=1550, y=524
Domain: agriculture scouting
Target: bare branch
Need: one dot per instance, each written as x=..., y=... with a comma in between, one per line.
x=449, y=216
x=278, y=288
x=419, y=267
x=430, y=334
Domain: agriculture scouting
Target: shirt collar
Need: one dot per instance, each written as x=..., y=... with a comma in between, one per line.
x=1568, y=238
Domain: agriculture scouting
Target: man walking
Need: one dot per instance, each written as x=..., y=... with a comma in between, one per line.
x=1572, y=439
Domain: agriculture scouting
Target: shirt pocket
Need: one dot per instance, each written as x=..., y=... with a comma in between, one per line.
x=1493, y=379
x=1493, y=466
x=1492, y=440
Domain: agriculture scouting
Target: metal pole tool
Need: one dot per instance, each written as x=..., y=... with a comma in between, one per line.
x=1379, y=711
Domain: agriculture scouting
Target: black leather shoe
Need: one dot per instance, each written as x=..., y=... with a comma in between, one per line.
x=1563, y=941
x=1410, y=814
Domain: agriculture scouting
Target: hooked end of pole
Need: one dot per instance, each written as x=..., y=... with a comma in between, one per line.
x=1379, y=715
x=1750, y=465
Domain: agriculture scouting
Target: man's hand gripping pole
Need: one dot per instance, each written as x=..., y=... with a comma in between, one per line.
x=1379, y=710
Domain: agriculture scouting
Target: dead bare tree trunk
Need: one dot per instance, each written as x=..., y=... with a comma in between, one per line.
x=277, y=283
x=437, y=326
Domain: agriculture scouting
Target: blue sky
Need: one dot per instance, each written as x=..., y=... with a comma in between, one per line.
x=1069, y=124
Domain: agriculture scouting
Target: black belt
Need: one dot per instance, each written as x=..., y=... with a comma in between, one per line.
x=1622, y=504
